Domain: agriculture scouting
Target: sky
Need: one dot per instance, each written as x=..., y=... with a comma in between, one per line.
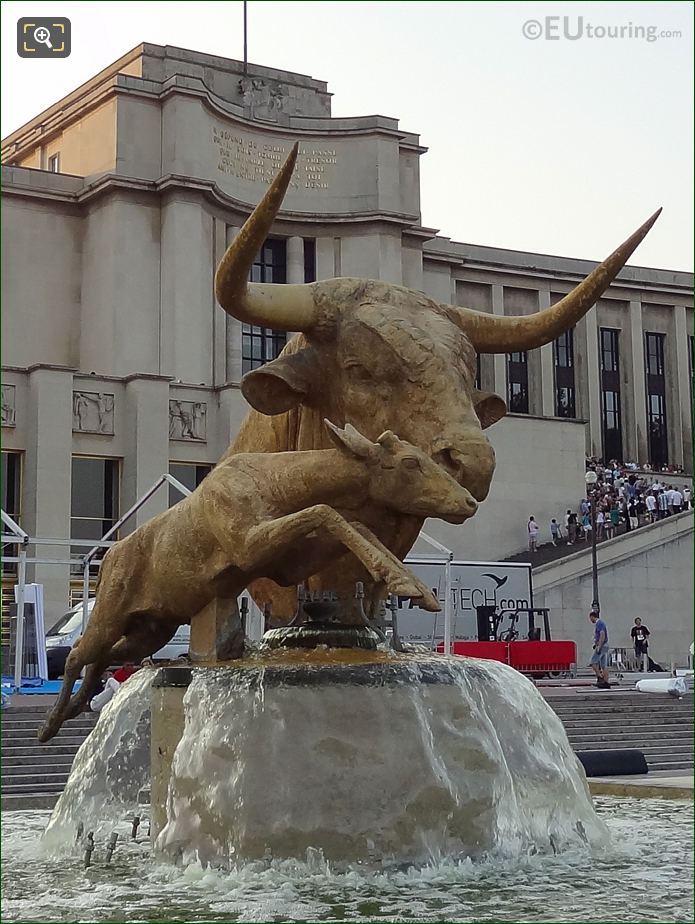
x=548, y=131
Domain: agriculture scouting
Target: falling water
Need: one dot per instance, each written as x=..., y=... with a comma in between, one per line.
x=110, y=768
x=402, y=758
x=365, y=757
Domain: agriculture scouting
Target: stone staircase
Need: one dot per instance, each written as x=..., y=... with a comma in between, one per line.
x=660, y=726
x=34, y=774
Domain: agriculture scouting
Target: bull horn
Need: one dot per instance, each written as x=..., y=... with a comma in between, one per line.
x=498, y=334
x=283, y=307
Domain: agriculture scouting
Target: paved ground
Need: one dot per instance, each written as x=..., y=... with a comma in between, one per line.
x=658, y=784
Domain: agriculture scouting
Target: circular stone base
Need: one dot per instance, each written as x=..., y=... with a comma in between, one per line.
x=369, y=757
x=315, y=634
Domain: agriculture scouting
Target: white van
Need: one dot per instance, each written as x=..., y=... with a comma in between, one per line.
x=62, y=636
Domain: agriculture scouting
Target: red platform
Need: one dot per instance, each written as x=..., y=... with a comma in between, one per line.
x=535, y=658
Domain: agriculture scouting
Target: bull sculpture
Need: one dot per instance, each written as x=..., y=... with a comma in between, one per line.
x=256, y=514
x=378, y=355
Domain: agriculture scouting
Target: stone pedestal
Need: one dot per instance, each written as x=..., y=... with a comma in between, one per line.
x=365, y=756
x=216, y=632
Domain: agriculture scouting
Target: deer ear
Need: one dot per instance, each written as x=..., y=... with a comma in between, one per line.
x=388, y=439
x=350, y=439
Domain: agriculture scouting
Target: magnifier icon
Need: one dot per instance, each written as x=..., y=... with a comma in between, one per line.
x=43, y=37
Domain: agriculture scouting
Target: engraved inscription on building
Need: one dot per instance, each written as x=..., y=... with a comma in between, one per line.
x=259, y=161
x=92, y=412
x=8, y=405
x=188, y=420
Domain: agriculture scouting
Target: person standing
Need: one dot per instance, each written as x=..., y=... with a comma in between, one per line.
x=533, y=530
x=650, y=501
x=555, y=533
x=662, y=504
x=640, y=639
x=601, y=651
x=676, y=500
x=571, y=524
x=686, y=497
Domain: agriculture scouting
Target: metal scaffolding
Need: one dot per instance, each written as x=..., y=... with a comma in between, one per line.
x=17, y=536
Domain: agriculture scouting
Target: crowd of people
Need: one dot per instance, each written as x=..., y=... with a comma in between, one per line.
x=625, y=499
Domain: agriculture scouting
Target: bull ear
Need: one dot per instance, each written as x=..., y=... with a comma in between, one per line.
x=489, y=407
x=351, y=439
x=283, y=383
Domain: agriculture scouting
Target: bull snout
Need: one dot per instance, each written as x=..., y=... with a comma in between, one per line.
x=471, y=463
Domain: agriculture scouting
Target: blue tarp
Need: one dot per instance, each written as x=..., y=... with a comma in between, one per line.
x=35, y=685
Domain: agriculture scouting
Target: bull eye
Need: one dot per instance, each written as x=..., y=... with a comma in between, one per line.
x=359, y=372
x=411, y=463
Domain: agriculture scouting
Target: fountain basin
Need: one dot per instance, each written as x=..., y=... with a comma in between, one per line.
x=363, y=755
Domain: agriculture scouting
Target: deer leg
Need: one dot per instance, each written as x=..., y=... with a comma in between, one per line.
x=100, y=635
x=134, y=646
x=270, y=539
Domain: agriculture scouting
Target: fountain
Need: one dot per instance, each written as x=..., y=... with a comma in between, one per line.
x=325, y=744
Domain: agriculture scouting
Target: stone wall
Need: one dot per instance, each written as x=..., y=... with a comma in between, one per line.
x=646, y=573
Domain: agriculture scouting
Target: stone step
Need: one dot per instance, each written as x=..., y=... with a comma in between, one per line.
x=670, y=765
x=19, y=721
x=626, y=722
x=37, y=780
x=48, y=751
x=685, y=747
x=18, y=773
x=596, y=734
x=31, y=731
x=43, y=787
x=65, y=741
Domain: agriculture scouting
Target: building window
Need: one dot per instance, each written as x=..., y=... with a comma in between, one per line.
x=11, y=501
x=309, y=259
x=54, y=163
x=610, y=394
x=656, y=398
x=261, y=344
x=610, y=359
x=517, y=383
x=190, y=474
x=478, y=371
x=94, y=502
x=563, y=350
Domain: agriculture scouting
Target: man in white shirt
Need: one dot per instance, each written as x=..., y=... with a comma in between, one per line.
x=676, y=500
x=686, y=497
x=650, y=501
x=662, y=504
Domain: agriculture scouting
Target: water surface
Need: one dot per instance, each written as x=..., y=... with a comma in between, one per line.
x=644, y=875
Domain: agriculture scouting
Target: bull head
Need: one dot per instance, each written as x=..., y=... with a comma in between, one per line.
x=387, y=356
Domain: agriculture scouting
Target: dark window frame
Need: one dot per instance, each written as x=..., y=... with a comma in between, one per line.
x=200, y=471
x=110, y=512
x=260, y=345
x=12, y=475
x=565, y=393
x=517, y=383
x=655, y=381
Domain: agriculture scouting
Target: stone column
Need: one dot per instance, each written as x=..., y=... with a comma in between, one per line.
x=547, y=364
x=295, y=260
x=219, y=324
x=146, y=446
x=684, y=426
x=636, y=424
x=499, y=359
x=233, y=332
x=47, y=479
x=325, y=258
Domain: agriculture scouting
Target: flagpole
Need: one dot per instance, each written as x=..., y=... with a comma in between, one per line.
x=246, y=62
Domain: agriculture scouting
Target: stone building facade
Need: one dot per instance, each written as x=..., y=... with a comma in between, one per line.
x=119, y=201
